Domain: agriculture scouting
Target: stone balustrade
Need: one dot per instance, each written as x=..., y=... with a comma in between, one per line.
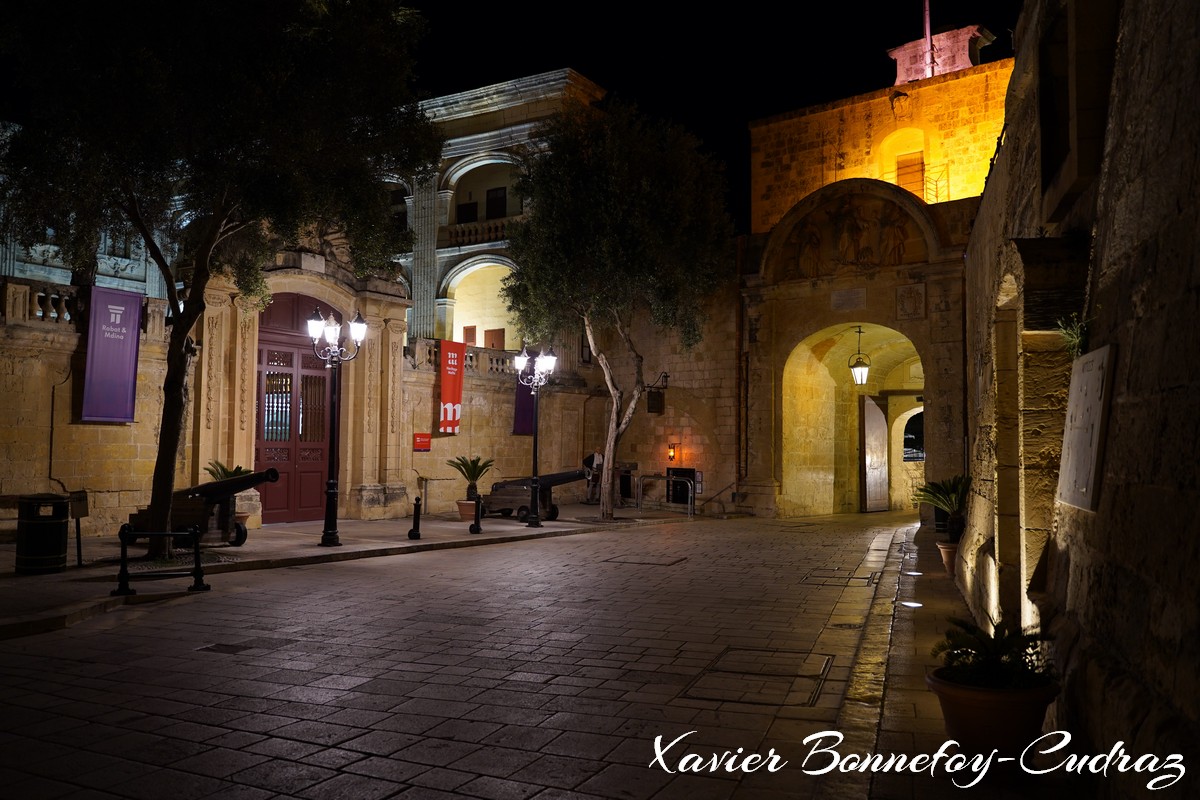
x=489, y=230
x=481, y=362
x=27, y=303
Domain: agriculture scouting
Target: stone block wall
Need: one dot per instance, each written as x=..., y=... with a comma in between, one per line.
x=1116, y=584
x=954, y=119
x=489, y=399
x=700, y=407
x=46, y=448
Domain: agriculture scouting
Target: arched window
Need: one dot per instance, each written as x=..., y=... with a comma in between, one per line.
x=914, y=437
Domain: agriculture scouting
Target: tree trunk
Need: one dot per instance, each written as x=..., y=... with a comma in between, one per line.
x=611, y=437
x=618, y=418
x=170, y=435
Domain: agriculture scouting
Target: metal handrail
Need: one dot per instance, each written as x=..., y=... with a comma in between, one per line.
x=689, y=482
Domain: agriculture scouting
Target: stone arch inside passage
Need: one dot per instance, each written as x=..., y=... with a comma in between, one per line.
x=830, y=452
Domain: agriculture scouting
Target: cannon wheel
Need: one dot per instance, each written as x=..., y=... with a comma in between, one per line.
x=239, y=534
x=523, y=514
x=552, y=514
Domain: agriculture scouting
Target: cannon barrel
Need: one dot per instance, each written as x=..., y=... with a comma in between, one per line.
x=216, y=490
x=544, y=481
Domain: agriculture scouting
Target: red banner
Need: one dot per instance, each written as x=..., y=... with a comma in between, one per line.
x=454, y=357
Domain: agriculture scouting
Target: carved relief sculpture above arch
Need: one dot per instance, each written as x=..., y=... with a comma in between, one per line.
x=851, y=228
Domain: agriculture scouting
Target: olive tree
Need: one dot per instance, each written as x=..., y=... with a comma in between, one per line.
x=217, y=132
x=627, y=218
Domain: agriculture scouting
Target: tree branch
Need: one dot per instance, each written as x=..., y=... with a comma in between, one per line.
x=639, y=383
x=133, y=211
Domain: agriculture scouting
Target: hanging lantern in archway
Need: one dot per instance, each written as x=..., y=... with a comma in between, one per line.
x=859, y=363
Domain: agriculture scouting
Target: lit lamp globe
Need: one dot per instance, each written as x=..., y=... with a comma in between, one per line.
x=859, y=368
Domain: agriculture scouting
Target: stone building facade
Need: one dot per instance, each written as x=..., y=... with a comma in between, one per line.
x=1084, y=517
x=860, y=214
x=861, y=211
x=244, y=355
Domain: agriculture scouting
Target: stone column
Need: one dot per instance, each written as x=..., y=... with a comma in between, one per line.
x=214, y=381
x=425, y=220
x=371, y=403
x=1010, y=562
x=760, y=488
x=244, y=389
x=393, y=447
x=443, y=327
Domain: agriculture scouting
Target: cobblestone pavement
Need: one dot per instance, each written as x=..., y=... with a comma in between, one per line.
x=620, y=663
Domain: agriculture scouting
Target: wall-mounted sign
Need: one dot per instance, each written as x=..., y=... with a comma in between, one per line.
x=110, y=379
x=422, y=442
x=1083, y=434
x=847, y=299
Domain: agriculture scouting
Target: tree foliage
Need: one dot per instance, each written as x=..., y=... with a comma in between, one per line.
x=219, y=132
x=626, y=219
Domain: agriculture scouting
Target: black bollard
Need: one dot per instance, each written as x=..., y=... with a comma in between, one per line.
x=415, y=532
x=476, y=527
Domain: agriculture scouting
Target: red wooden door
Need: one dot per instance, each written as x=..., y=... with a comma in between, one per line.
x=293, y=432
x=293, y=413
x=873, y=457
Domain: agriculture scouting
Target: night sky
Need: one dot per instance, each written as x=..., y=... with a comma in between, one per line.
x=712, y=73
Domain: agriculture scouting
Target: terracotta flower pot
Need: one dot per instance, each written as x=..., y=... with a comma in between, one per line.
x=949, y=551
x=466, y=510
x=982, y=719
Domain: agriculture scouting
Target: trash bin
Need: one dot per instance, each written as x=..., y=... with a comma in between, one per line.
x=42, y=533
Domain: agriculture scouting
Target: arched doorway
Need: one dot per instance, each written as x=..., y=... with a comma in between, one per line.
x=837, y=453
x=292, y=417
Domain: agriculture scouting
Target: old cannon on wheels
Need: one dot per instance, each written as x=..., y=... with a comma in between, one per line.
x=514, y=495
x=209, y=507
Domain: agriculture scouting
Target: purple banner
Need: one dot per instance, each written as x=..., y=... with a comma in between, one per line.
x=523, y=411
x=110, y=382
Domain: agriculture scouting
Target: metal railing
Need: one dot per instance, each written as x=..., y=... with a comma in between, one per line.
x=689, y=482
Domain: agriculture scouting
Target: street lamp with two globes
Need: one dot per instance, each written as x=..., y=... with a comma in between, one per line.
x=333, y=354
x=534, y=373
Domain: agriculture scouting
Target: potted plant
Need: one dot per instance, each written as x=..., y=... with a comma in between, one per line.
x=473, y=469
x=220, y=472
x=993, y=688
x=950, y=496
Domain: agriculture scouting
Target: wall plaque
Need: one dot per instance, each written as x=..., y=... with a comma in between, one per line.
x=1083, y=434
x=848, y=299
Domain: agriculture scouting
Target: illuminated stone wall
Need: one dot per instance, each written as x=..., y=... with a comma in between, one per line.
x=46, y=448
x=953, y=120
x=1092, y=210
x=700, y=408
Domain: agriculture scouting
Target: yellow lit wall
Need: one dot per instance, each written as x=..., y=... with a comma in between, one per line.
x=477, y=302
x=954, y=121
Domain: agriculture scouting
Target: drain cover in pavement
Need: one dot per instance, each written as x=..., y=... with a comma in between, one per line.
x=660, y=561
x=834, y=577
x=231, y=649
x=768, y=677
x=257, y=643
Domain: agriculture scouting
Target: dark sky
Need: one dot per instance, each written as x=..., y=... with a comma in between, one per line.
x=712, y=73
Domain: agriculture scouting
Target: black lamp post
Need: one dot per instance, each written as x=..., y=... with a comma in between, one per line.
x=333, y=354
x=535, y=376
